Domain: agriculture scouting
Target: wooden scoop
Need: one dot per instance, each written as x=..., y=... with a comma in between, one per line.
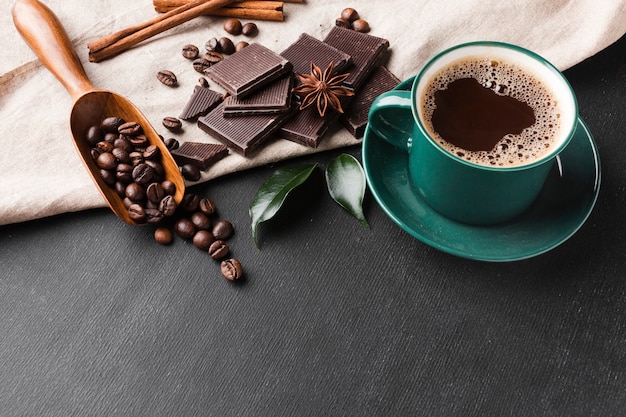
x=45, y=35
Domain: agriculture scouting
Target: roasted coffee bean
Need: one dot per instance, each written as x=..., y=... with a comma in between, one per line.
x=203, y=82
x=360, y=25
x=190, y=51
x=350, y=14
x=111, y=137
x=212, y=45
x=108, y=176
x=190, y=172
x=171, y=144
x=163, y=235
x=124, y=173
x=158, y=172
x=152, y=153
x=142, y=174
x=218, y=250
x=137, y=213
x=227, y=46
x=213, y=57
x=121, y=155
x=103, y=146
x=167, y=77
x=129, y=129
x=240, y=45
x=153, y=216
x=223, y=230
x=106, y=160
x=120, y=189
x=123, y=143
x=201, y=221
x=190, y=202
x=110, y=124
x=343, y=23
x=127, y=202
x=203, y=239
x=138, y=141
x=94, y=135
x=172, y=123
x=250, y=29
x=201, y=65
x=167, y=206
x=207, y=207
x=135, y=192
x=233, y=26
x=169, y=188
x=136, y=158
x=155, y=192
x=231, y=269
x=184, y=228
x=95, y=153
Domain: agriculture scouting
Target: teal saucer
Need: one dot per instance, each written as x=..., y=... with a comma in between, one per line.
x=561, y=209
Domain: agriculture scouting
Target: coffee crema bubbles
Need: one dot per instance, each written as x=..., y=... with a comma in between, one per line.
x=491, y=113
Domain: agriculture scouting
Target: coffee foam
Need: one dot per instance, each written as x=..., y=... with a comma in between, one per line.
x=505, y=79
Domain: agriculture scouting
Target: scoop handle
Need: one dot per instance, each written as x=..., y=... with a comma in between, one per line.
x=46, y=36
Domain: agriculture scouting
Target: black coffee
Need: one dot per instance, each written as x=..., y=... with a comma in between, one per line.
x=490, y=112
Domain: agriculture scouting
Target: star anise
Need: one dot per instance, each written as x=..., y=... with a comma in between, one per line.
x=322, y=88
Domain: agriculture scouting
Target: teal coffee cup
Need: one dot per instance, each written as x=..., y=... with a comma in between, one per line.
x=483, y=124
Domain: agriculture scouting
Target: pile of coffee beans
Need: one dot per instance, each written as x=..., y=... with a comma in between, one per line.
x=350, y=19
x=196, y=222
x=133, y=168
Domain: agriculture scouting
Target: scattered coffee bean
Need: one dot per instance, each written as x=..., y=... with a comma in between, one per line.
x=203, y=239
x=207, y=207
x=190, y=172
x=201, y=65
x=201, y=221
x=190, y=51
x=172, y=123
x=190, y=202
x=240, y=45
x=343, y=23
x=168, y=206
x=167, y=78
x=163, y=235
x=184, y=228
x=218, y=250
x=227, y=46
x=171, y=144
x=212, y=45
x=250, y=29
x=349, y=14
x=153, y=215
x=213, y=57
x=231, y=269
x=360, y=25
x=233, y=26
x=203, y=82
x=223, y=230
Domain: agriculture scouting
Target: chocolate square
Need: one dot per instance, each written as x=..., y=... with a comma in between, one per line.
x=367, y=52
x=308, y=49
x=202, y=101
x=242, y=134
x=271, y=99
x=355, y=116
x=200, y=154
x=248, y=69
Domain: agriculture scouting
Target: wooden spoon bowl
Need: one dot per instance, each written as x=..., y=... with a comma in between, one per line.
x=45, y=35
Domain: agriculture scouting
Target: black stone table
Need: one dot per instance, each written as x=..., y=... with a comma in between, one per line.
x=333, y=319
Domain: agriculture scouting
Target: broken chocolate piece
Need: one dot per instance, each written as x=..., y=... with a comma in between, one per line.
x=367, y=52
x=308, y=49
x=200, y=154
x=272, y=99
x=202, y=101
x=248, y=70
x=242, y=134
x=355, y=117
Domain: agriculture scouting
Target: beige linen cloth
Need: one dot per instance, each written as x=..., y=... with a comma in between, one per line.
x=41, y=174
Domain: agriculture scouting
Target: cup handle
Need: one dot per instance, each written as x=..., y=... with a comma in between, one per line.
x=391, y=118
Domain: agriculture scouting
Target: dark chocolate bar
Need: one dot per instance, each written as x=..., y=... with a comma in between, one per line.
x=202, y=101
x=355, y=116
x=367, y=53
x=242, y=134
x=308, y=49
x=307, y=127
x=248, y=69
x=200, y=154
x=272, y=99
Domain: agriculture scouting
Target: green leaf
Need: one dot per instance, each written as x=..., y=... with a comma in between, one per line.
x=346, y=184
x=271, y=195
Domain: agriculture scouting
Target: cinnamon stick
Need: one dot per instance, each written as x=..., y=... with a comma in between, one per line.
x=118, y=42
x=253, y=9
